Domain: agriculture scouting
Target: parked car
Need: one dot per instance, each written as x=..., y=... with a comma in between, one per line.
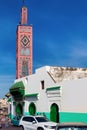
x=36, y=123
x=15, y=120
x=71, y=126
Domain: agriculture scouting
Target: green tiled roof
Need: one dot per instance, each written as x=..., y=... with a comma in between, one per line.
x=53, y=88
x=17, y=90
x=17, y=86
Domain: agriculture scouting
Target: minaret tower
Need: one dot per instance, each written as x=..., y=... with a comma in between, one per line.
x=23, y=46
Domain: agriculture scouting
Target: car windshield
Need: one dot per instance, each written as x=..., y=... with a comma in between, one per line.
x=42, y=119
x=72, y=128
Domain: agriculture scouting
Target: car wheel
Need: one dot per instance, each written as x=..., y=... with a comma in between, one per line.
x=40, y=128
x=21, y=128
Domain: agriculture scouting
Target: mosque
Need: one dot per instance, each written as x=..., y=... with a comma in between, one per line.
x=59, y=93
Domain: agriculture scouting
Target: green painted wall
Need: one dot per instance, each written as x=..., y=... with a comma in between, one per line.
x=26, y=113
x=10, y=116
x=73, y=117
x=66, y=116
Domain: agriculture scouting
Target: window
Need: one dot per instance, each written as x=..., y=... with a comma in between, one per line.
x=42, y=84
x=28, y=119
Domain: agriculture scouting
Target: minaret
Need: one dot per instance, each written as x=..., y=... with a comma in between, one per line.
x=23, y=46
x=24, y=15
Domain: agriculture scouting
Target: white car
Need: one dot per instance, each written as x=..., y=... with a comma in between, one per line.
x=71, y=126
x=36, y=123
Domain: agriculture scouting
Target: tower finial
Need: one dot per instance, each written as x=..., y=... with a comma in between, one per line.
x=24, y=14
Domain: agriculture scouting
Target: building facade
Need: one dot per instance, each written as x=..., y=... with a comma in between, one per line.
x=3, y=106
x=23, y=46
x=59, y=93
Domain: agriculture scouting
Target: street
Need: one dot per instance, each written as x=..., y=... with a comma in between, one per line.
x=11, y=127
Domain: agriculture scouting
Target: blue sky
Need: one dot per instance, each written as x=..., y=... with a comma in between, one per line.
x=59, y=35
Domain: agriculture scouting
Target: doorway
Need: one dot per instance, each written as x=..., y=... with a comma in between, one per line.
x=54, y=113
x=19, y=109
x=32, y=109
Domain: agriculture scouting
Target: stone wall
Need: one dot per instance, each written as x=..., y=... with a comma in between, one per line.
x=59, y=74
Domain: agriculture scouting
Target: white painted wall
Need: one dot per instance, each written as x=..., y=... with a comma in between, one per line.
x=73, y=92
x=33, y=85
x=34, y=81
x=74, y=96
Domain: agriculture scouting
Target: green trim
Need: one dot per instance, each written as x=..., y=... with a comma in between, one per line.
x=73, y=117
x=9, y=100
x=53, y=88
x=31, y=95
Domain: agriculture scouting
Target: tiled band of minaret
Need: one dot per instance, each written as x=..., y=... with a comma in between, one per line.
x=23, y=46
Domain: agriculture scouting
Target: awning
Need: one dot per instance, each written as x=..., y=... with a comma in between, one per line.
x=53, y=88
x=18, y=89
x=31, y=95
